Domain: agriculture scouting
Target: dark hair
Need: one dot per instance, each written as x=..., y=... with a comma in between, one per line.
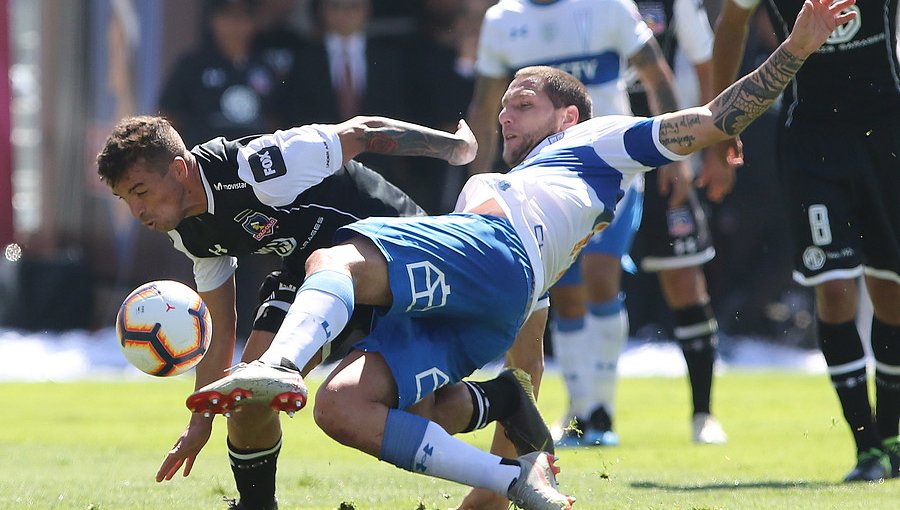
x=562, y=88
x=144, y=139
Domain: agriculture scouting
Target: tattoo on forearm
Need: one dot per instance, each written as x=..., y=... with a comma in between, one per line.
x=677, y=131
x=410, y=142
x=744, y=101
x=379, y=143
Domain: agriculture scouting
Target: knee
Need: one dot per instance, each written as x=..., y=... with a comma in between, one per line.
x=836, y=300
x=323, y=258
x=328, y=413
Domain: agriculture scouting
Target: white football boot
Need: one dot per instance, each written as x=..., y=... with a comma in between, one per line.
x=535, y=488
x=708, y=430
x=280, y=386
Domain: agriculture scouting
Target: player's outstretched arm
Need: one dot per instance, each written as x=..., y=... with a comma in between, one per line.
x=215, y=363
x=690, y=130
x=382, y=135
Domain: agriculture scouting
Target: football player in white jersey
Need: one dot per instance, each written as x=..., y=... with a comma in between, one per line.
x=454, y=289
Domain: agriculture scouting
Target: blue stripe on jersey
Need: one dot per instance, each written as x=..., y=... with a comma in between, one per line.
x=589, y=69
x=640, y=146
x=600, y=175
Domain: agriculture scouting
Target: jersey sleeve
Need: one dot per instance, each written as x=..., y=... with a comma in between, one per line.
x=695, y=36
x=641, y=143
x=209, y=272
x=490, y=61
x=633, y=33
x=281, y=165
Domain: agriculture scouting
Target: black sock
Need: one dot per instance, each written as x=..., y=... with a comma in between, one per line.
x=844, y=355
x=697, y=331
x=886, y=348
x=254, y=475
x=491, y=400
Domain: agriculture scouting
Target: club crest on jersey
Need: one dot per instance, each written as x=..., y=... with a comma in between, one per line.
x=654, y=15
x=267, y=163
x=680, y=222
x=256, y=224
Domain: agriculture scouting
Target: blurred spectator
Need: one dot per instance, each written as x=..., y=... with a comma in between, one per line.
x=280, y=45
x=346, y=72
x=221, y=88
x=441, y=71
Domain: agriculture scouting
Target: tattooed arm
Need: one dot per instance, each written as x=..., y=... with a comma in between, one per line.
x=381, y=135
x=690, y=130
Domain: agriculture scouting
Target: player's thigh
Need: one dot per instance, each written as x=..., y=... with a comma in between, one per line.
x=885, y=295
x=358, y=377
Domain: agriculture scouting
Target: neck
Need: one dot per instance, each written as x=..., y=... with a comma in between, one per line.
x=195, y=193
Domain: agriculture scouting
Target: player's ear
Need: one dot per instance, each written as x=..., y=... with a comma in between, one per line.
x=570, y=116
x=179, y=166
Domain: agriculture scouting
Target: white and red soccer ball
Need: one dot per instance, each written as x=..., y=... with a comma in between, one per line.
x=163, y=328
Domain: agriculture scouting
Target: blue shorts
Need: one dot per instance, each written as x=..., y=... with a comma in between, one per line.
x=461, y=286
x=616, y=239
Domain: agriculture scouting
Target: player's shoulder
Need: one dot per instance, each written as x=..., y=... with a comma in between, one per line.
x=605, y=125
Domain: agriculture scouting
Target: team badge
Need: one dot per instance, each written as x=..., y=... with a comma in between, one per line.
x=256, y=224
x=680, y=222
x=813, y=258
x=267, y=163
x=654, y=15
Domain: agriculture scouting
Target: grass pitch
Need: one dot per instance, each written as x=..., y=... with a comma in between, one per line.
x=97, y=445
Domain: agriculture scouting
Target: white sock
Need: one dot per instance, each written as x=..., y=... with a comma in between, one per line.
x=609, y=334
x=569, y=339
x=455, y=460
x=319, y=313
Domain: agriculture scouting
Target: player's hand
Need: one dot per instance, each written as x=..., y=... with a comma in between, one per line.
x=719, y=164
x=186, y=449
x=464, y=154
x=815, y=23
x=483, y=499
x=675, y=181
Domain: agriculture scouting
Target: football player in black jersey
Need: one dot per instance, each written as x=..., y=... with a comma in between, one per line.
x=838, y=148
x=281, y=193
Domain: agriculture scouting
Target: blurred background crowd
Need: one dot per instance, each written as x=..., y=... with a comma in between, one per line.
x=237, y=67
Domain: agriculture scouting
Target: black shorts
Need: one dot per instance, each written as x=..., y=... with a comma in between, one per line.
x=842, y=186
x=276, y=294
x=671, y=238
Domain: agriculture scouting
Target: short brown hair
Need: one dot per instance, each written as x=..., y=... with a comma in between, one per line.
x=562, y=88
x=144, y=139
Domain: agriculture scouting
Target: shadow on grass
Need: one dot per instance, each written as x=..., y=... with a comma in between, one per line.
x=772, y=484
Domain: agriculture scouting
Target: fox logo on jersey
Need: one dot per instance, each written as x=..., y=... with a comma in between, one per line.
x=267, y=163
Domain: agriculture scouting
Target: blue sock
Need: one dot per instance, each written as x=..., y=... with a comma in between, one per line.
x=403, y=433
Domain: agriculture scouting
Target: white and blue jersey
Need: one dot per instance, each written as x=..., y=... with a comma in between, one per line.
x=568, y=187
x=590, y=39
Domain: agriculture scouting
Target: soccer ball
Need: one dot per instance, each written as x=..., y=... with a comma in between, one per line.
x=163, y=328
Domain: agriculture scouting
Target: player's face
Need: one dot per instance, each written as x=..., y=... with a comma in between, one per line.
x=154, y=197
x=527, y=118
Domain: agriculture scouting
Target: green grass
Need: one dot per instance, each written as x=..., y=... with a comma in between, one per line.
x=97, y=445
